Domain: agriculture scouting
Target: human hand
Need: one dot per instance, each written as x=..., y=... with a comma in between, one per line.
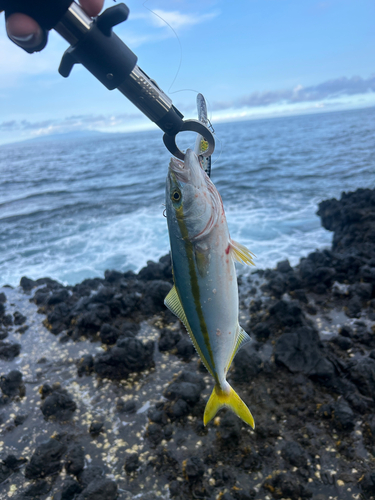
x=27, y=33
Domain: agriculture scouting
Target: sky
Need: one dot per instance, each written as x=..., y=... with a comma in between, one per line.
x=249, y=58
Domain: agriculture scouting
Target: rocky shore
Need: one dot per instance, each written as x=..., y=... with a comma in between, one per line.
x=103, y=394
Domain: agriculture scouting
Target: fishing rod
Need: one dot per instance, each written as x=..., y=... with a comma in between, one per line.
x=94, y=45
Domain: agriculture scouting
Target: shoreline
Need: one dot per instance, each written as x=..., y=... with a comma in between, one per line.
x=108, y=378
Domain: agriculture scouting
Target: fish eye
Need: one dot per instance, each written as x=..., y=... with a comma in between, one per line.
x=176, y=196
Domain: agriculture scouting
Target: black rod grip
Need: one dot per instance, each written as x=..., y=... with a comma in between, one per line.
x=46, y=12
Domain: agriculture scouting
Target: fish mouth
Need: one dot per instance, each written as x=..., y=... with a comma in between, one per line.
x=188, y=171
x=177, y=167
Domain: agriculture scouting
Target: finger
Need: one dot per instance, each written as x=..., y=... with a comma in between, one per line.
x=24, y=31
x=92, y=7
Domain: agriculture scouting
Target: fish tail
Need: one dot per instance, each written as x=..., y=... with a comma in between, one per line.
x=220, y=399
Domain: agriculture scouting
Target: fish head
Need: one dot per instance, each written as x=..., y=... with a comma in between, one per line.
x=190, y=195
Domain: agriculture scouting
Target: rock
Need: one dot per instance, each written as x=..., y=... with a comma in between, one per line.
x=9, y=351
x=129, y=355
x=3, y=298
x=179, y=409
x=46, y=459
x=99, y=489
x=7, y=320
x=37, y=490
x=70, y=489
x=286, y=485
x=157, y=416
x=299, y=351
x=168, y=339
x=89, y=474
x=154, y=433
x=229, y=430
x=19, y=318
x=284, y=266
x=96, y=427
x=58, y=296
x=300, y=295
x=157, y=290
x=286, y=315
x=20, y=419
x=187, y=391
x=193, y=468
x=293, y=453
x=343, y=342
x=109, y=334
x=126, y=406
x=343, y=415
x=75, y=460
x=27, y=284
x=185, y=348
x=12, y=384
x=13, y=463
x=131, y=463
x=85, y=365
x=362, y=372
x=367, y=483
x=59, y=404
x=129, y=329
x=247, y=364
x=353, y=309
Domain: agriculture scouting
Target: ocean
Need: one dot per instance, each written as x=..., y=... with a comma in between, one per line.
x=72, y=208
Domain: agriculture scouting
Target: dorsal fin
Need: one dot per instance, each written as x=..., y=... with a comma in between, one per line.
x=240, y=253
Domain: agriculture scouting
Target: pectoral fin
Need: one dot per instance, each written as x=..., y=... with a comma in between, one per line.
x=220, y=399
x=240, y=253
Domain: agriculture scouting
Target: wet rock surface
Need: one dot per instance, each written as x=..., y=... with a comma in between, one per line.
x=103, y=394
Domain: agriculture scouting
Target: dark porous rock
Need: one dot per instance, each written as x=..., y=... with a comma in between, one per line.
x=286, y=315
x=261, y=331
x=126, y=406
x=7, y=320
x=229, y=430
x=362, y=373
x=22, y=329
x=59, y=404
x=5, y=472
x=20, y=419
x=252, y=461
x=193, y=468
x=131, y=463
x=109, y=334
x=224, y=478
x=286, y=485
x=45, y=390
x=284, y=266
x=13, y=463
x=27, y=284
x=3, y=334
x=12, y=384
x=2, y=309
x=37, y=490
x=75, y=460
x=99, y=489
x=351, y=219
x=9, y=350
x=353, y=309
x=129, y=355
x=41, y=296
x=185, y=349
x=247, y=364
x=3, y=298
x=343, y=342
x=113, y=276
x=346, y=331
x=85, y=365
x=276, y=285
x=161, y=270
x=178, y=409
x=129, y=328
x=188, y=391
x=70, y=489
x=19, y=319
x=299, y=352
x=89, y=474
x=96, y=427
x=58, y=296
x=154, y=433
x=343, y=415
x=168, y=339
x=293, y=453
x=157, y=416
x=300, y=295
x=46, y=459
x=367, y=484
x=157, y=291
x=59, y=319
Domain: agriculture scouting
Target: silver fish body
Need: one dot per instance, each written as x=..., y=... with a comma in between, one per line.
x=205, y=295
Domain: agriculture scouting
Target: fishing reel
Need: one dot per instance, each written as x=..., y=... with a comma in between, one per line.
x=94, y=45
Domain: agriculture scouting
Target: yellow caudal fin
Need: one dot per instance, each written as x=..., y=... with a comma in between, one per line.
x=241, y=254
x=220, y=399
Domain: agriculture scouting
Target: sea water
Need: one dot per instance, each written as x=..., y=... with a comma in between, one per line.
x=72, y=208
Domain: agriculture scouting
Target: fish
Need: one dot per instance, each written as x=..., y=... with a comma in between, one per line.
x=205, y=292
x=201, y=143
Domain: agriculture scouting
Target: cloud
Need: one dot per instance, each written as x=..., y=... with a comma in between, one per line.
x=177, y=20
x=324, y=91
